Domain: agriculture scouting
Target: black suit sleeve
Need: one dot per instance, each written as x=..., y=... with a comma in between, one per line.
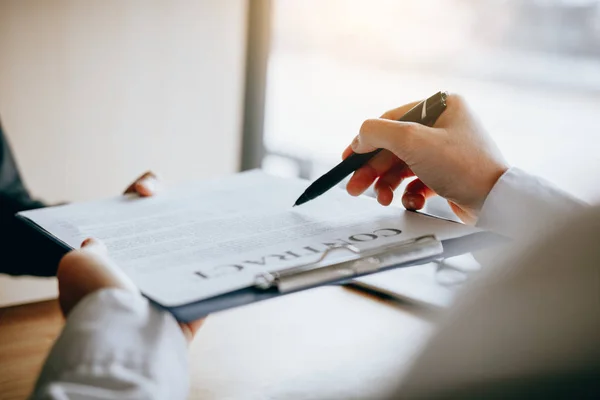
x=22, y=250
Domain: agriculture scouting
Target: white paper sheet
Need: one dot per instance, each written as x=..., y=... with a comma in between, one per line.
x=197, y=241
x=430, y=284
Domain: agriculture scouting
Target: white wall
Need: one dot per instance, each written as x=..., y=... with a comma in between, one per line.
x=94, y=92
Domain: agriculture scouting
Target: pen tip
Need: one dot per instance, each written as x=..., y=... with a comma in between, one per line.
x=303, y=199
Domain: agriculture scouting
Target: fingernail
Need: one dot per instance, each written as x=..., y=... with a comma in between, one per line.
x=410, y=202
x=94, y=245
x=354, y=143
x=149, y=184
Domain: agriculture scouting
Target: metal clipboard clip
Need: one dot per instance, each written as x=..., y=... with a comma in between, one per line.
x=365, y=261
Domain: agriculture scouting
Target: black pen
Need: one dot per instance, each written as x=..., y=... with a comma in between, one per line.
x=426, y=113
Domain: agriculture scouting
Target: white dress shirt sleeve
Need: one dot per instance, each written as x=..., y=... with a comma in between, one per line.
x=525, y=329
x=115, y=345
x=521, y=205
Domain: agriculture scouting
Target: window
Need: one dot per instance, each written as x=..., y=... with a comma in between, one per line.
x=529, y=68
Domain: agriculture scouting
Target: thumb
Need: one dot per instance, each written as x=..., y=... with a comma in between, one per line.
x=399, y=137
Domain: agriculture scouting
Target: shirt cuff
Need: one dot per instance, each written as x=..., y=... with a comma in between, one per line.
x=114, y=339
x=522, y=205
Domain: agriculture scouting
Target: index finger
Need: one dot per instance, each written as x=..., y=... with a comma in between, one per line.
x=394, y=114
x=347, y=152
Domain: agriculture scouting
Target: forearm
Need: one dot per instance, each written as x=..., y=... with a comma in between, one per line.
x=115, y=345
x=17, y=240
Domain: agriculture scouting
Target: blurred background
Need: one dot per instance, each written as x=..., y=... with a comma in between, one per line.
x=529, y=68
x=94, y=92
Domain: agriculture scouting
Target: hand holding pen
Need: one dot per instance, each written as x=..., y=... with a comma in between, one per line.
x=425, y=112
x=455, y=158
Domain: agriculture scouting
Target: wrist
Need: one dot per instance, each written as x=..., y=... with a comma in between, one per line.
x=470, y=210
x=491, y=180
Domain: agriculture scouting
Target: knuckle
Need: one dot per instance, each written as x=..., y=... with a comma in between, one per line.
x=410, y=136
x=368, y=126
x=410, y=130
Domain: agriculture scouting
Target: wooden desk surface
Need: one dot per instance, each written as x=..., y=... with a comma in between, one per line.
x=324, y=343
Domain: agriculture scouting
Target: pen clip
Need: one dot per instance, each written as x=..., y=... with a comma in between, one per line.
x=366, y=261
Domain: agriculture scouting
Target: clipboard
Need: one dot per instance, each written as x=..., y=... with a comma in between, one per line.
x=417, y=251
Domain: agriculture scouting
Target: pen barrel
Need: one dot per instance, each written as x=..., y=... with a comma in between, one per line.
x=340, y=172
x=428, y=111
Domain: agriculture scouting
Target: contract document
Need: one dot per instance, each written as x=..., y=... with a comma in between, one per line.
x=198, y=241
